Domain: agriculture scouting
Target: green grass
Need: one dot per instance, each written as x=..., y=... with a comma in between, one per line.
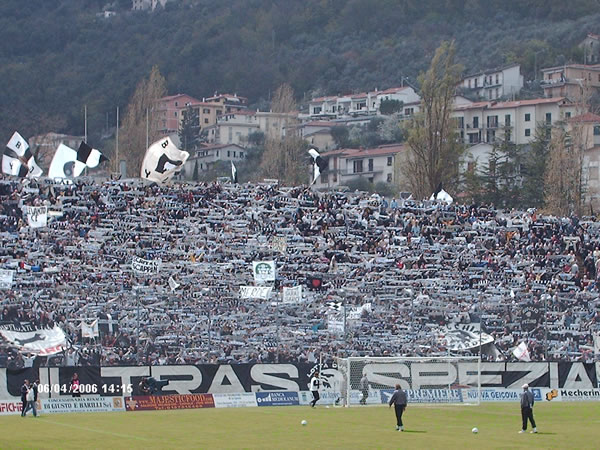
x=561, y=425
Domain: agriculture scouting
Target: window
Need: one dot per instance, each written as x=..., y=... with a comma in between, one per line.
x=490, y=94
x=507, y=120
x=389, y=158
x=357, y=166
x=507, y=135
x=234, y=155
x=527, y=117
x=527, y=132
x=205, y=120
x=176, y=104
x=497, y=78
x=241, y=154
x=475, y=122
x=228, y=153
x=175, y=113
x=371, y=180
x=497, y=93
x=548, y=117
x=471, y=166
x=469, y=84
x=389, y=178
x=370, y=165
x=461, y=122
x=201, y=167
x=409, y=111
x=476, y=82
x=596, y=130
x=206, y=111
x=217, y=153
x=568, y=114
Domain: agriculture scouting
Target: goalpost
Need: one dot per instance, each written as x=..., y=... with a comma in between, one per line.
x=438, y=380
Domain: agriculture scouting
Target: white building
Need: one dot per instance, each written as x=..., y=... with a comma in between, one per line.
x=206, y=157
x=374, y=164
x=363, y=104
x=480, y=124
x=496, y=83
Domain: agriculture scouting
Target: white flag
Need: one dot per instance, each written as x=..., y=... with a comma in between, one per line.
x=597, y=344
x=21, y=163
x=521, y=352
x=65, y=164
x=89, y=331
x=6, y=278
x=263, y=271
x=42, y=341
x=292, y=294
x=143, y=266
x=173, y=284
x=260, y=292
x=163, y=160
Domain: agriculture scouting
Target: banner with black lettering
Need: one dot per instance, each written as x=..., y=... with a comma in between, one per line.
x=29, y=339
x=240, y=378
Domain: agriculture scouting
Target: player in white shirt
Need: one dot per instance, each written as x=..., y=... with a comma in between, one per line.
x=315, y=382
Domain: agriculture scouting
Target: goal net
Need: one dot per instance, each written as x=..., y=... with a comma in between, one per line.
x=358, y=381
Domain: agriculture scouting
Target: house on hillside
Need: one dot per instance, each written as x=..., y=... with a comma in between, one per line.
x=494, y=84
x=169, y=112
x=43, y=146
x=591, y=49
x=571, y=81
x=362, y=104
x=589, y=124
x=481, y=124
x=379, y=164
x=207, y=156
x=143, y=5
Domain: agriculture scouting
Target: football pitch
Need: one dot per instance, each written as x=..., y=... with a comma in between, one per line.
x=560, y=425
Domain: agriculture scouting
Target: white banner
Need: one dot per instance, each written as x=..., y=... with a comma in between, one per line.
x=597, y=345
x=263, y=271
x=6, y=278
x=145, y=266
x=89, y=331
x=80, y=404
x=279, y=244
x=260, y=292
x=356, y=313
x=37, y=216
x=41, y=342
x=461, y=337
x=162, y=161
x=335, y=324
x=235, y=400
x=292, y=294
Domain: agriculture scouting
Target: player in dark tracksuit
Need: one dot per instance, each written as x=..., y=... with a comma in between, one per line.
x=399, y=400
x=315, y=382
x=527, y=409
x=24, y=390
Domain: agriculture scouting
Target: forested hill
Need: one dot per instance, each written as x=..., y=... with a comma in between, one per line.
x=56, y=56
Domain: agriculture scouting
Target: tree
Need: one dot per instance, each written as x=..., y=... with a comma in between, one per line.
x=534, y=168
x=340, y=135
x=141, y=116
x=285, y=157
x=189, y=129
x=387, y=107
x=195, y=173
x=434, y=150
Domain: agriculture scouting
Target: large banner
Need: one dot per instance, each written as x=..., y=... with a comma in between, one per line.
x=260, y=292
x=37, y=216
x=250, y=378
x=143, y=266
x=29, y=339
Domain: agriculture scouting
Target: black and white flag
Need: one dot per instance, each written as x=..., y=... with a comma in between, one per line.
x=108, y=323
x=162, y=161
x=39, y=341
x=88, y=156
x=441, y=195
x=335, y=305
x=18, y=159
x=319, y=164
x=68, y=163
x=234, y=179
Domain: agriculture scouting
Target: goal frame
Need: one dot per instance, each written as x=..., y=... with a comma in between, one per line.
x=347, y=371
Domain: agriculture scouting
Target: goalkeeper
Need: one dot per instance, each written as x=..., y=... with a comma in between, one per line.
x=399, y=400
x=364, y=389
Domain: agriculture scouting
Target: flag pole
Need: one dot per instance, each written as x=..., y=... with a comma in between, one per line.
x=85, y=131
x=118, y=163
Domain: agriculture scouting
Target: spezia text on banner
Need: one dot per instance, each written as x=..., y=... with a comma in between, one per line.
x=145, y=266
x=263, y=271
x=6, y=278
x=260, y=292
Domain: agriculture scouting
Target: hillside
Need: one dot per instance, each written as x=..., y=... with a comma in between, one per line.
x=57, y=56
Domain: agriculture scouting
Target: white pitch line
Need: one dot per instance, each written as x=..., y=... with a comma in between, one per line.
x=97, y=431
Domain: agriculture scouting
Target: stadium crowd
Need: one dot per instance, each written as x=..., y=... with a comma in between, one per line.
x=430, y=272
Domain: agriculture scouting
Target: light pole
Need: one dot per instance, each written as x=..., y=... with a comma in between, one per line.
x=206, y=291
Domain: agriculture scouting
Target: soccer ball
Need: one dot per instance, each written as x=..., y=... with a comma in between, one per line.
x=304, y=422
x=475, y=430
